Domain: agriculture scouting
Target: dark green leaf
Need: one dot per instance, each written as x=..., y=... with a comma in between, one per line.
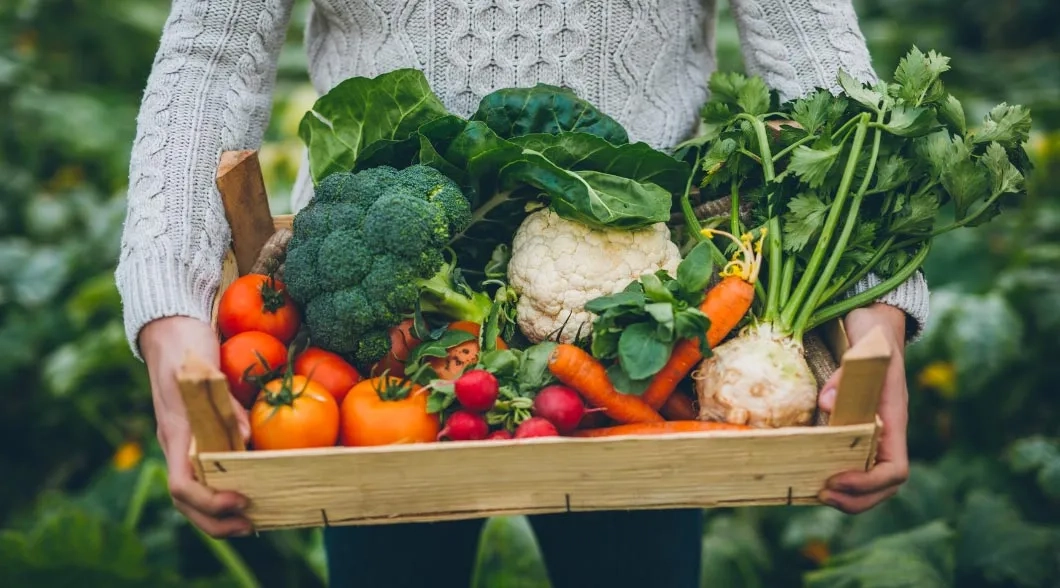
x=967, y=183
x=917, y=215
x=360, y=111
x=1005, y=177
x=812, y=112
x=533, y=371
x=911, y=121
x=748, y=94
x=921, y=558
x=811, y=164
x=544, y=108
x=655, y=290
x=735, y=554
x=625, y=300
x=857, y=91
x=918, y=74
x=640, y=352
x=998, y=545
x=623, y=383
x=804, y=219
x=891, y=172
x=584, y=152
x=604, y=343
x=694, y=273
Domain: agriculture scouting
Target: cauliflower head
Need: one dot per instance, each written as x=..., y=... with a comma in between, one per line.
x=558, y=265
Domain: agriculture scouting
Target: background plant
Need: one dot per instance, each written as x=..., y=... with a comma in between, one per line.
x=83, y=495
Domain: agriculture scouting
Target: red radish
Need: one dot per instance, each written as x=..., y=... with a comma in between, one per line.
x=500, y=434
x=536, y=427
x=476, y=390
x=464, y=426
x=561, y=406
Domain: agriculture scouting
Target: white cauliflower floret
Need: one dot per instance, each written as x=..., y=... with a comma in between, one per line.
x=558, y=265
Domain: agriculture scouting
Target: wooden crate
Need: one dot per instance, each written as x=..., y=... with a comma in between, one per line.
x=457, y=480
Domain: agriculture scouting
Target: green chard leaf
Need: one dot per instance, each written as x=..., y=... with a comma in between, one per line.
x=803, y=221
x=360, y=111
x=543, y=108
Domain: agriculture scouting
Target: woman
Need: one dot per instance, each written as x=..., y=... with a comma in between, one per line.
x=645, y=62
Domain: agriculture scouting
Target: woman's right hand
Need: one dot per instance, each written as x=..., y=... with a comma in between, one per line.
x=164, y=343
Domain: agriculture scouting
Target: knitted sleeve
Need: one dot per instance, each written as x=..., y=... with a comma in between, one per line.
x=799, y=45
x=209, y=90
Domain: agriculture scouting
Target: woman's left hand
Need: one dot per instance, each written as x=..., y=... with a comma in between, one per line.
x=857, y=491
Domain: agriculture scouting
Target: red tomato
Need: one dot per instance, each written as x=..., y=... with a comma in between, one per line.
x=242, y=357
x=256, y=302
x=327, y=369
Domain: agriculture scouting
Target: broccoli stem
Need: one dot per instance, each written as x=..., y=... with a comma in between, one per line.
x=437, y=296
x=798, y=297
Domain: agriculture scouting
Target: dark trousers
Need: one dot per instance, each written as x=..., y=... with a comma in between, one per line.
x=639, y=549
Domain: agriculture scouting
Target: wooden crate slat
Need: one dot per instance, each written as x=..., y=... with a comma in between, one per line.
x=429, y=482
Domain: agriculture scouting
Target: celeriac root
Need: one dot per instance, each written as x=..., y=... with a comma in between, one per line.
x=759, y=378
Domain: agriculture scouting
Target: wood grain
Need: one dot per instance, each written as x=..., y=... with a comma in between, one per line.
x=432, y=482
x=864, y=371
x=209, y=409
x=246, y=205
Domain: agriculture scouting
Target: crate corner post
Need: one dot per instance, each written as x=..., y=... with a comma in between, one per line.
x=864, y=371
x=246, y=204
x=213, y=422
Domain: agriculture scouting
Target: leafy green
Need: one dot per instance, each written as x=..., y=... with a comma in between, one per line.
x=544, y=108
x=347, y=119
x=861, y=185
x=524, y=148
x=640, y=325
x=922, y=557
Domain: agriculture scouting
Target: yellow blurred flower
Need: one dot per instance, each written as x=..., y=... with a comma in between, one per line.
x=127, y=456
x=940, y=376
x=816, y=551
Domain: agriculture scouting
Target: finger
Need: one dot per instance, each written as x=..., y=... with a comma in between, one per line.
x=184, y=488
x=884, y=475
x=242, y=419
x=826, y=399
x=234, y=526
x=856, y=504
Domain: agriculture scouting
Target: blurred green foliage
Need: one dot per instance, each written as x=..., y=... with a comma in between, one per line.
x=83, y=499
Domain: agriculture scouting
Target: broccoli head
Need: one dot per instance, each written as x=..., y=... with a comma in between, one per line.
x=367, y=247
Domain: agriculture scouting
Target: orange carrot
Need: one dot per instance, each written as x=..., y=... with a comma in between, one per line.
x=659, y=428
x=574, y=367
x=679, y=407
x=725, y=304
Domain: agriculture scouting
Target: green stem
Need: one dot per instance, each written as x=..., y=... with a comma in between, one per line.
x=858, y=300
x=774, y=250
x=787, y=277
x=230, y=559
x=792, y=147
x=150, y=474
x=846, y=126
x=788, y=314
x=840, y=246
x=735, y=226
x=863, y=271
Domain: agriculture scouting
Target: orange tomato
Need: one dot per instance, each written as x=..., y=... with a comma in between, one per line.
x=327, y=369
x=387, y=411
x=461, y=356
x=256, y=302
x=246, y=358
x=294, y=413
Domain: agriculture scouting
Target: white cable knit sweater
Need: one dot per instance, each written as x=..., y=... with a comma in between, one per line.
x=645, y=62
